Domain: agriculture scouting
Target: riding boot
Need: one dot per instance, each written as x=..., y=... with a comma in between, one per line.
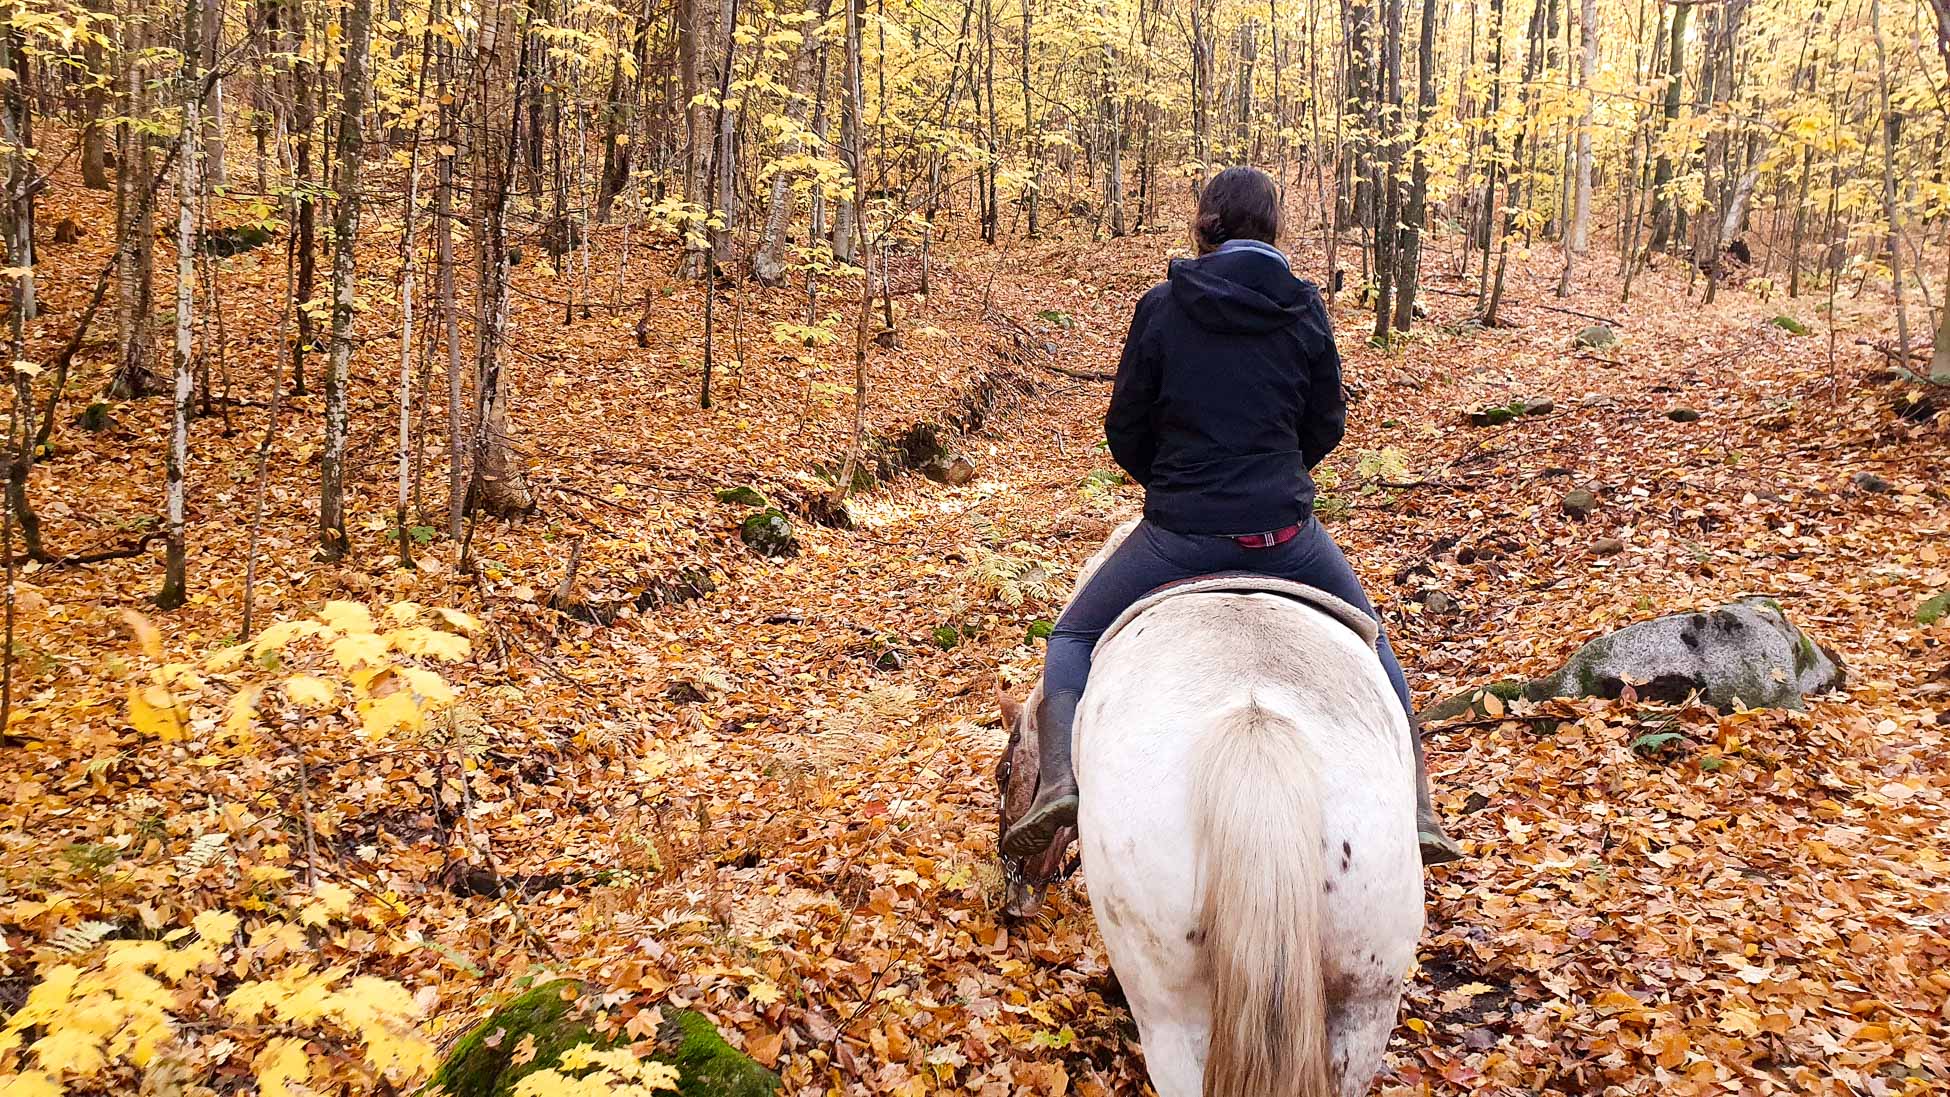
x=1437, y=847
x=1055, y=806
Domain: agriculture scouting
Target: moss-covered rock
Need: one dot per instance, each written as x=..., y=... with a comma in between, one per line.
x=706, y=1065
x=556, y=1014
x=769, y=533
x=742, y=495
x=1934, y=609
x=1790, y=325
x=1474, y=702
x=560, y=1015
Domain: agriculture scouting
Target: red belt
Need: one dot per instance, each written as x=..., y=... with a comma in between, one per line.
x=1267, y=540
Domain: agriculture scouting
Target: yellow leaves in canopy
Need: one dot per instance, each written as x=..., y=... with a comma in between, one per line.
x=281, y=1063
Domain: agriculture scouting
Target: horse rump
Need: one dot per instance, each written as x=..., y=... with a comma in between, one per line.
x=1260, y=908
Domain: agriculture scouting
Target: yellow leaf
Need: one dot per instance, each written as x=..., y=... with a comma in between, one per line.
x=312, y=692
x=215, y=926
x=763, y=992
x=430, y=643
x=153, y=712
x=404, y=613
x=351, y=651
x=524, y=1051
x=385, y=715
x=70, y=1049
x=346, y=616
x=226, y=659
x=146, y=635
x=459, y=620
x=31, y=1084
x=430, y=686
x=281, y=1063
x=241, y=713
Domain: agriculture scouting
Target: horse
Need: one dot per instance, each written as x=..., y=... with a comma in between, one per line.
x=1247, y=827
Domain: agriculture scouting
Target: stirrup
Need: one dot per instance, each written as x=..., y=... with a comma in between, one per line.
x=1033, y=833
x=1438, y=848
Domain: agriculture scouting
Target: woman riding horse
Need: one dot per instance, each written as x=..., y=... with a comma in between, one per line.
x=1228, y=392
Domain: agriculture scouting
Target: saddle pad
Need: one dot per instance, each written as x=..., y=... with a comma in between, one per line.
x=1363, y=625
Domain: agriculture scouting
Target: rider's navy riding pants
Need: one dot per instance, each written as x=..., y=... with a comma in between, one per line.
x=1151, y=557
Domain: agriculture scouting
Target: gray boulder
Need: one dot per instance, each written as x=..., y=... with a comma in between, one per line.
x=1579, y=503
x=1745, y=651
x=1597, y=337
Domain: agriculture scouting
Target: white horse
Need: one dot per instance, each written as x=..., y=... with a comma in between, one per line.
x=1248, y=832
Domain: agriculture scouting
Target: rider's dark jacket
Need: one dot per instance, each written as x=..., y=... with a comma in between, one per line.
x=1229, y=390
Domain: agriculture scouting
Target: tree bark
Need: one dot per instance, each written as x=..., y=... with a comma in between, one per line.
x=1587, y=69
x=1416, y=211
x=1891, y=199
x=350, y=156
x=1662, y=204
x=94, y=135
x=304, y=120
x=188, y=185
x=768, y=263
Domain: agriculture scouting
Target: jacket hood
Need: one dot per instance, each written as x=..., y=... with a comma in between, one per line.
x=1238, y=290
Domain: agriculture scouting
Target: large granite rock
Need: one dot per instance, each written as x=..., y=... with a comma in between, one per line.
x=1743, y=653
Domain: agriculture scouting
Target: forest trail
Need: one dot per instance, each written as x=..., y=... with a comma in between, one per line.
x=774, y=801
x=1751, y=902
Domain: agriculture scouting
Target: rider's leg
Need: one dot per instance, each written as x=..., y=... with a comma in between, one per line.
x=1132, y=571
x=1314, y=559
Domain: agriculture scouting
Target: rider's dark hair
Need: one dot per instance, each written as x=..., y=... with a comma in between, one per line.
x=1237, y=204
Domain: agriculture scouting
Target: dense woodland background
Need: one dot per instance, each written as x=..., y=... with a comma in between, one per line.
x=572, y=357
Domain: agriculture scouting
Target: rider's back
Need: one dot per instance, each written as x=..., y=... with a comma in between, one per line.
x=1227, y=393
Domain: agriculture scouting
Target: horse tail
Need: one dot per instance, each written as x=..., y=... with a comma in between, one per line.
x=1255, y=799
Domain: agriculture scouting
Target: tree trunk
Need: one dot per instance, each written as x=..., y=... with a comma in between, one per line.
x=94, y=134
x=499, y=486
x=175, y=583
x=768, y=263
x=846, y=217
x=1416, y=212
x=1032, y=137
x=350, y=155
x=857, y=165
x=619, y=146
x=1587, y=70
x=304, y=119
x=1662, y=204
x=17, y=130
x=213, y=115
x=1891, y=200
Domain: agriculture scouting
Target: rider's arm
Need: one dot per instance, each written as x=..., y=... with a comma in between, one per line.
x=1127, y=425
x=1324, y=418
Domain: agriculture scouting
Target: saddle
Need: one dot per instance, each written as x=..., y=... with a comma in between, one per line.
x=1363, y=625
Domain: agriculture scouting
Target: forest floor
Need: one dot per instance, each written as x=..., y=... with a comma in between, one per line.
x=774, y=801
